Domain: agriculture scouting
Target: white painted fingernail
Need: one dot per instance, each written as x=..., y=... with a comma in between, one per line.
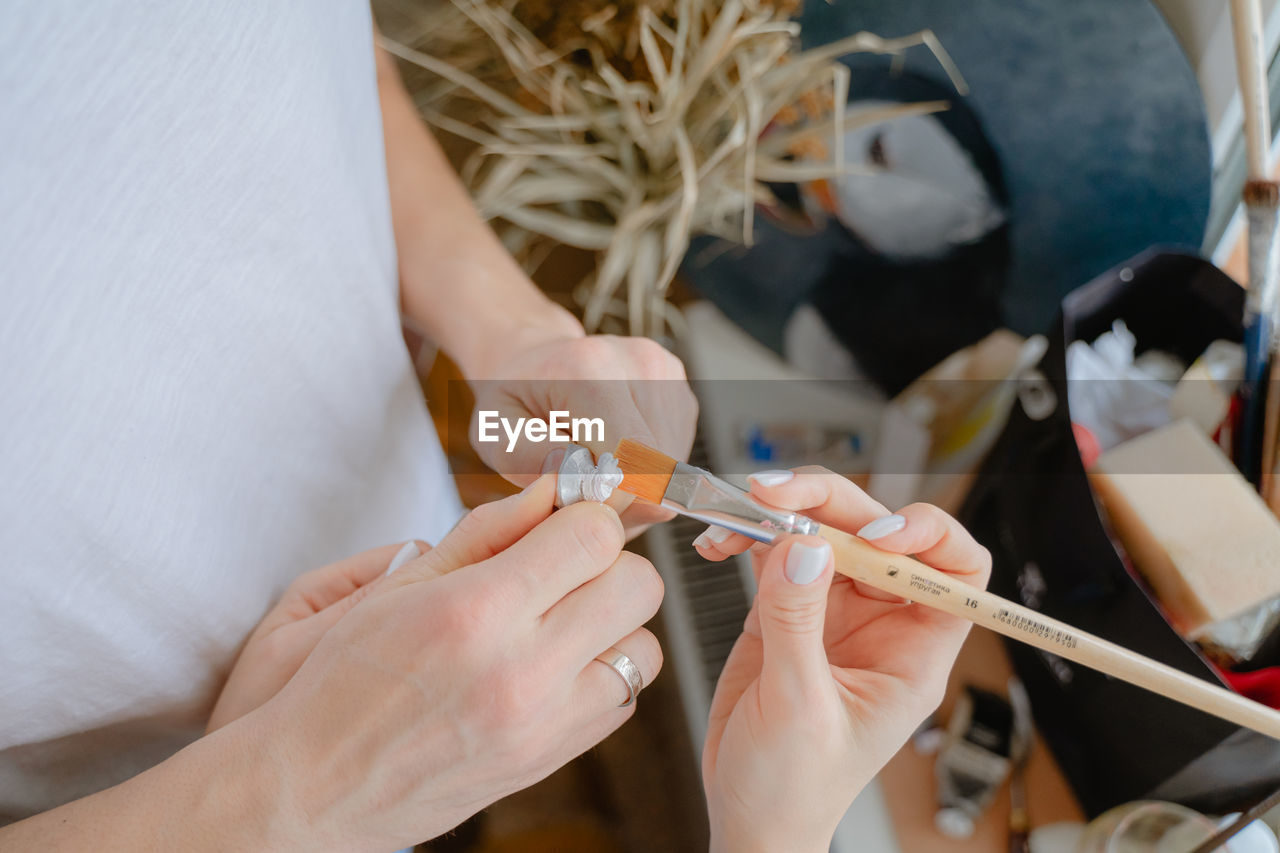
x=772, y=477
x=882, y=527
x=717, y=534
x=713, y=535
x=405, y=554
x=806, y=562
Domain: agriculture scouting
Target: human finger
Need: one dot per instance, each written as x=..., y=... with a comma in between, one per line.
x=791, y=608
x=600, y=690
x=933, y=537
x=616, y=602
x=315, y=590
x=819, y=493
x=486, y=531
x=557, y=556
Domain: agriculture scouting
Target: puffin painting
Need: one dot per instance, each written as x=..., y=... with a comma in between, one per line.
x=921, y=244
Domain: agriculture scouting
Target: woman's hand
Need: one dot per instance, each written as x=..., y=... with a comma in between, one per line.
x=634, y=386
x=447, y=688
x=409, y=702
x=286, y=635
x=828, y=679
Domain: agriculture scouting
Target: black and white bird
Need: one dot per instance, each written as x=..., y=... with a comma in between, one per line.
x=923, y=249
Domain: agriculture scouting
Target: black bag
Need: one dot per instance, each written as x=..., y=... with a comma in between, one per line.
x=1033, y=508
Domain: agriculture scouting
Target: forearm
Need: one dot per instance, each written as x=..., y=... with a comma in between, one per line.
x=212, y=796
x=457, y=281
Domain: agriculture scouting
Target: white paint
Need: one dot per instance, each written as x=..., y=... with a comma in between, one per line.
x=559, y=428
x=599, y=485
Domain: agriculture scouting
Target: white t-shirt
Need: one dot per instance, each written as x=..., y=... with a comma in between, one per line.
x=204, y=390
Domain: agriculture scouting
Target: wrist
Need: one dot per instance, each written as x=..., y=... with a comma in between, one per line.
x=729, y=835
x=236, y=792
x=726, y=842
x=489, y=352
x=211, y=796
x=729, y=841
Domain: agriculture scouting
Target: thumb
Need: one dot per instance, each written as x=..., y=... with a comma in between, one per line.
x=792, y=605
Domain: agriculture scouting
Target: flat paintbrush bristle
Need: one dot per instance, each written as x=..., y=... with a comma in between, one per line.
x=646, y=472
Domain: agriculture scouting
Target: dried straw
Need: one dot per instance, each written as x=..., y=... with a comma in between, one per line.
x=625, y=128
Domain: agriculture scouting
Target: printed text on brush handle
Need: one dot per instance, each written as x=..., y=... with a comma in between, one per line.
x=918, y=584
x=908, y=580
x=911, y=579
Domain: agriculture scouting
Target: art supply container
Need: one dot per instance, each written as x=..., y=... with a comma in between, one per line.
x=1148, y=826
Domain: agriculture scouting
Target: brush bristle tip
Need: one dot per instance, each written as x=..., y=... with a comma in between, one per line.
x=646, y=472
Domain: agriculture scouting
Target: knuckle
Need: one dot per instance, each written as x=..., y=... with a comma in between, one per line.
x=466, y=619
x=594, y=349
x=275, y=649
x=650, y=651
x=807, y=715
x=931, y=692
x=514, y=715
x=358, y=596
x=474, y=521
x=646, y=582
x=984, y=564
x=654, y=359
x=921, y=509
x=922, y=513
x=689, y=403
x=657, y=588
x=796, y=617
x=307, y=580
x=597, y=530
x=483, y=515
x=515, y=695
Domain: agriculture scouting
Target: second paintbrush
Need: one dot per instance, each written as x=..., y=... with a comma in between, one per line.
x=693, y=492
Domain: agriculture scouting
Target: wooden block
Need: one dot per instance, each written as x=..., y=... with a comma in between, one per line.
x=1195, y=529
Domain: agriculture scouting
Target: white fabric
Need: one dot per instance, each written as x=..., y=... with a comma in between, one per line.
x=204, y=386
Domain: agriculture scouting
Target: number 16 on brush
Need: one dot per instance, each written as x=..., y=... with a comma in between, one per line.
x=693, y=492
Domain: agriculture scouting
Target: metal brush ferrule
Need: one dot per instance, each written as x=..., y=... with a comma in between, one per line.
x=699, y=494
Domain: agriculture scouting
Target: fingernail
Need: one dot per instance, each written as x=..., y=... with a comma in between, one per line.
x=806, y=562
x=717, y=534
x=713, y=535
x=882, y=527
x=551, y=462
x=404, y=555
x=772, y=477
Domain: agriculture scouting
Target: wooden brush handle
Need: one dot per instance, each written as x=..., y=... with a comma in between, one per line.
x=925, y=585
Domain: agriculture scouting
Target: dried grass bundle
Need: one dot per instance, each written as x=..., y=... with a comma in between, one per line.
x=624, y=128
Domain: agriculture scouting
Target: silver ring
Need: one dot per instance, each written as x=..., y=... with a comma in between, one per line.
x=627, y=671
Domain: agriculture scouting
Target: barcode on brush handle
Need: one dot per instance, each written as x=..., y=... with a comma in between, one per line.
x=1036, y=629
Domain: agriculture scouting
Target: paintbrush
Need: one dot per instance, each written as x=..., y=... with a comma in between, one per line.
x=684, y=489
x=1231, y=830
x=1262, y=208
